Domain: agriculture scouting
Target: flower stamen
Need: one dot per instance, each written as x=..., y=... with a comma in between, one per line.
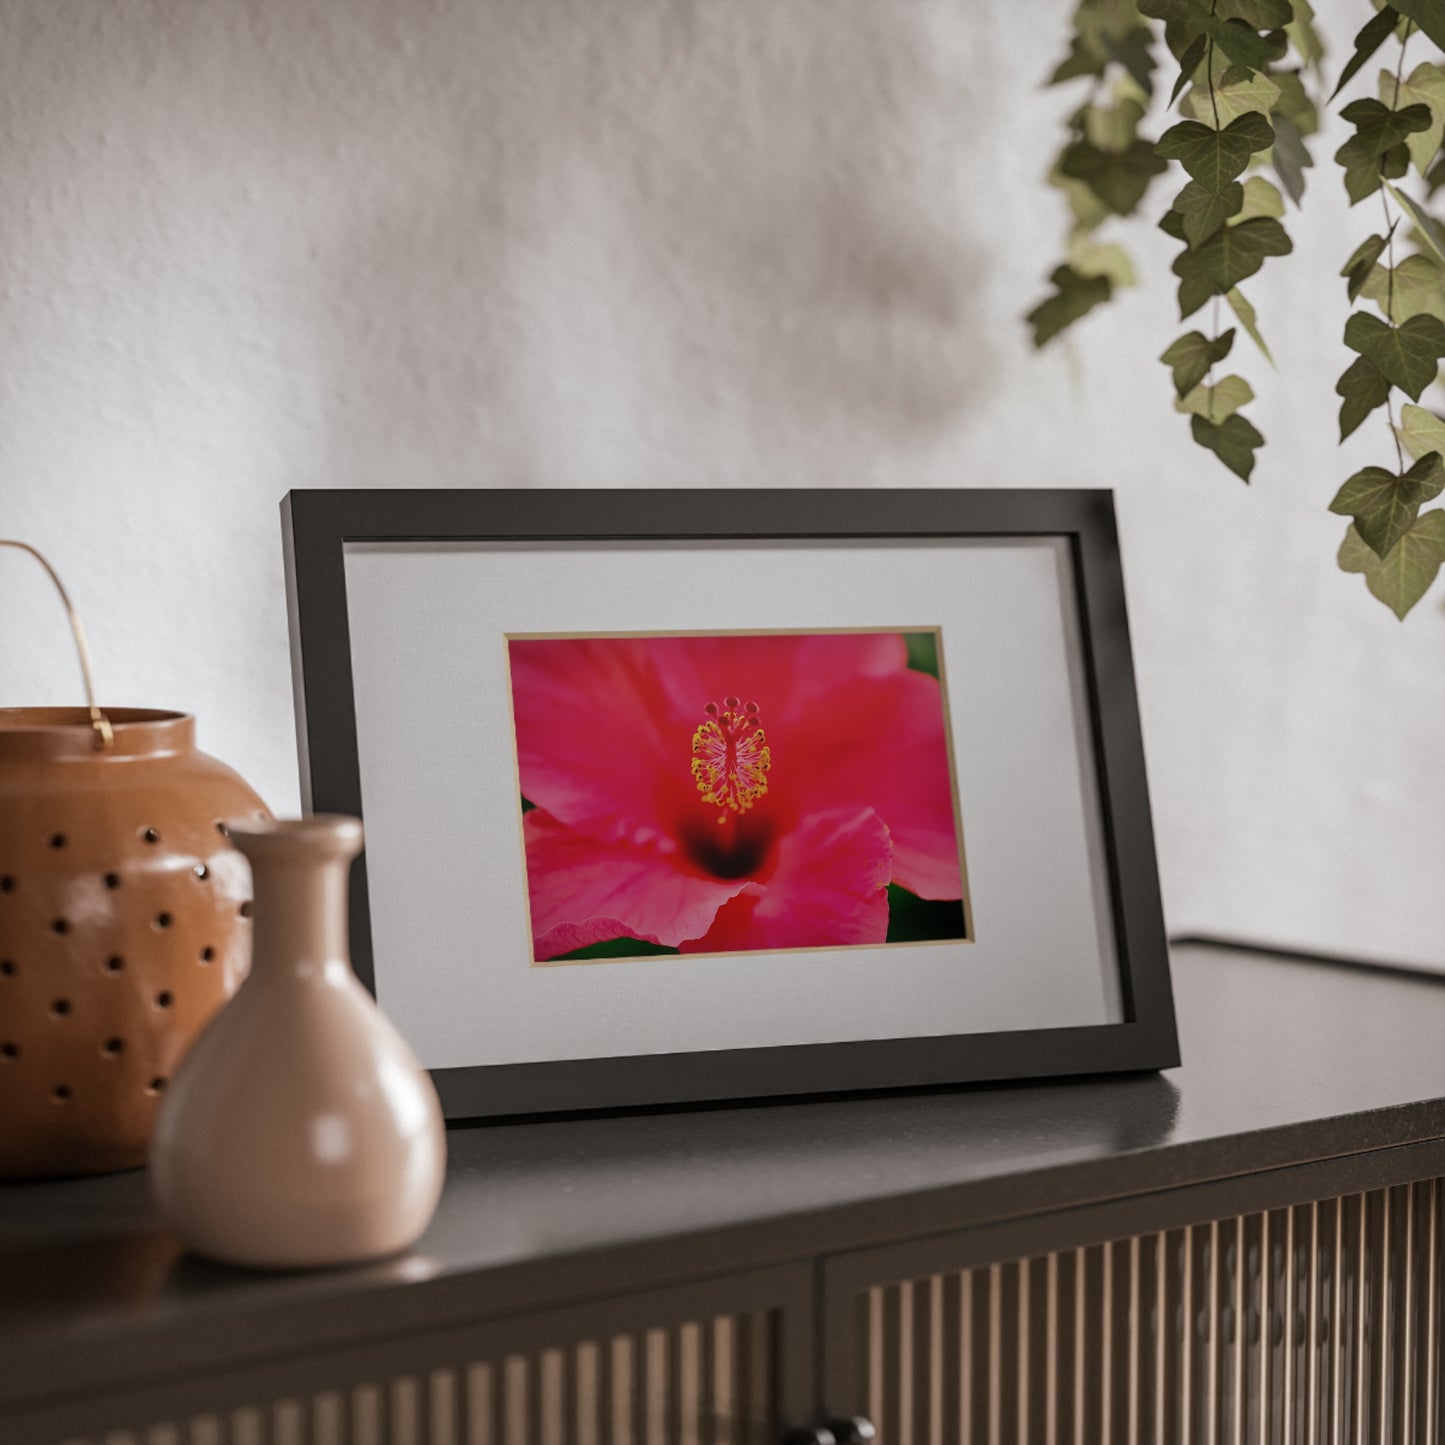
x=730, y=757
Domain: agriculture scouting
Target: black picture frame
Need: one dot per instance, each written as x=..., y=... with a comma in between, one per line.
x=318, y=525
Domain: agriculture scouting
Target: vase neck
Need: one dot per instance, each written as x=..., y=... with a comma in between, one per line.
x=299, y=870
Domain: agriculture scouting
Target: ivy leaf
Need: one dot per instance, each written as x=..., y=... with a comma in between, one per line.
x=1290, y=157
x=1304, y=36
x=1241, y=42
x=1404, y=576
x=1260, y=199
x=1111, y=261
x=1377, y=147
x=1367, y=42
x=1420, y=431
x=1227, y=257
x=1428, y=226
x=1216, y=157
x=1102, y=32
x=1189, y=62
x=1426, y=86
x=1362, y=261
x=1215, y=403
x=1429, y=15
x=1113, y=127
x=1205, y=211
x=1240, y=90
x=1118, y=178
x=1363, y=388
x=1190, y=358
x=1416, y=287
x=1245, y=312
x=1134, y=51
x=1075, y=296
x=1234, y=441
x=1407, y=355
x=1182, y=28
x=1294, y=101
x=1384, y=506
x=1172, y=224
x=1262, y=14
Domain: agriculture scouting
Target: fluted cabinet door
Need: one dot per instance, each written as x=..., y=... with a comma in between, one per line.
x=1297, y=1325
x=720, y=1361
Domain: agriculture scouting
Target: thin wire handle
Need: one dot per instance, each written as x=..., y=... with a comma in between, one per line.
x=104, y=734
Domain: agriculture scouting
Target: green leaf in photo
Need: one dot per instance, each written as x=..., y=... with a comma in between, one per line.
x=1425, y=223
x=1407, y=355
x=1074, y=296
x=1425, y=86
x=1290, y=157
x=1363, y=388
x=1416, y=287
x=1429, y=15
x=1205, y=211
x=1371, y=37
x=912, y=919
x=1362, y=261
x=1234, y=441
x=1420, y=431
x=1118, y=178
x=1216, y=157
x=1215, y=403
x=1403, y=577
x=1172, y=224
x=1190, y=357
x=1247, y=319
x=1383, y=505
x=922, y=652
x=1229, y=256
x=617, y=948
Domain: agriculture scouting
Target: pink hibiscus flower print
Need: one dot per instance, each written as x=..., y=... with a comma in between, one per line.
x=731, y=793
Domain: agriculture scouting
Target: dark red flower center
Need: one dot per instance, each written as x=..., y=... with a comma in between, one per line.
x=731, y=758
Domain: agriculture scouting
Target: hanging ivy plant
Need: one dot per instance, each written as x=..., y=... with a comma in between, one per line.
x=1243, y=75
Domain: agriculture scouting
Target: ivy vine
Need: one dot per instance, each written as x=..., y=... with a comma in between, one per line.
x=1244, y=72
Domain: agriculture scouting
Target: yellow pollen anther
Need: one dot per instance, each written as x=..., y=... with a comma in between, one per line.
x=731, y=758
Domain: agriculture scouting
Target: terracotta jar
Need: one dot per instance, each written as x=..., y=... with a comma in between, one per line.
x=124, y=925
x=300, y=1130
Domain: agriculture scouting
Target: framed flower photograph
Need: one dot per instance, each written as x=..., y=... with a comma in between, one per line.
x=676, y=796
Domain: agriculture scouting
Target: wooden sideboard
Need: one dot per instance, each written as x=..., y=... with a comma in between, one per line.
x=1247, y=1248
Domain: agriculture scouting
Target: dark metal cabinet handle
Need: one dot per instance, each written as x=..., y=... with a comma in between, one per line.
x=850, y=1429
x=835, y=1430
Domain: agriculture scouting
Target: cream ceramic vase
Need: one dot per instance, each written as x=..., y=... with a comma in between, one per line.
x=300, y=1130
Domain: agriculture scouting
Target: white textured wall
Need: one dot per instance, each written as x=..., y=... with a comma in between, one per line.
x=247, y=245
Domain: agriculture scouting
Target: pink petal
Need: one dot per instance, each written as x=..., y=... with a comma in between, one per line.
x=829, y=890
x=782, y=673
x=577, y=882
x=597, y=745
x=880, y=743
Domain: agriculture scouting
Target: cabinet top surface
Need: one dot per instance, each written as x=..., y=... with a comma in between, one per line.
x=1285, y=1062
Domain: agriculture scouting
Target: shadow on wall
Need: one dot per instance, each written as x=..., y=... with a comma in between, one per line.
x=712, y=244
